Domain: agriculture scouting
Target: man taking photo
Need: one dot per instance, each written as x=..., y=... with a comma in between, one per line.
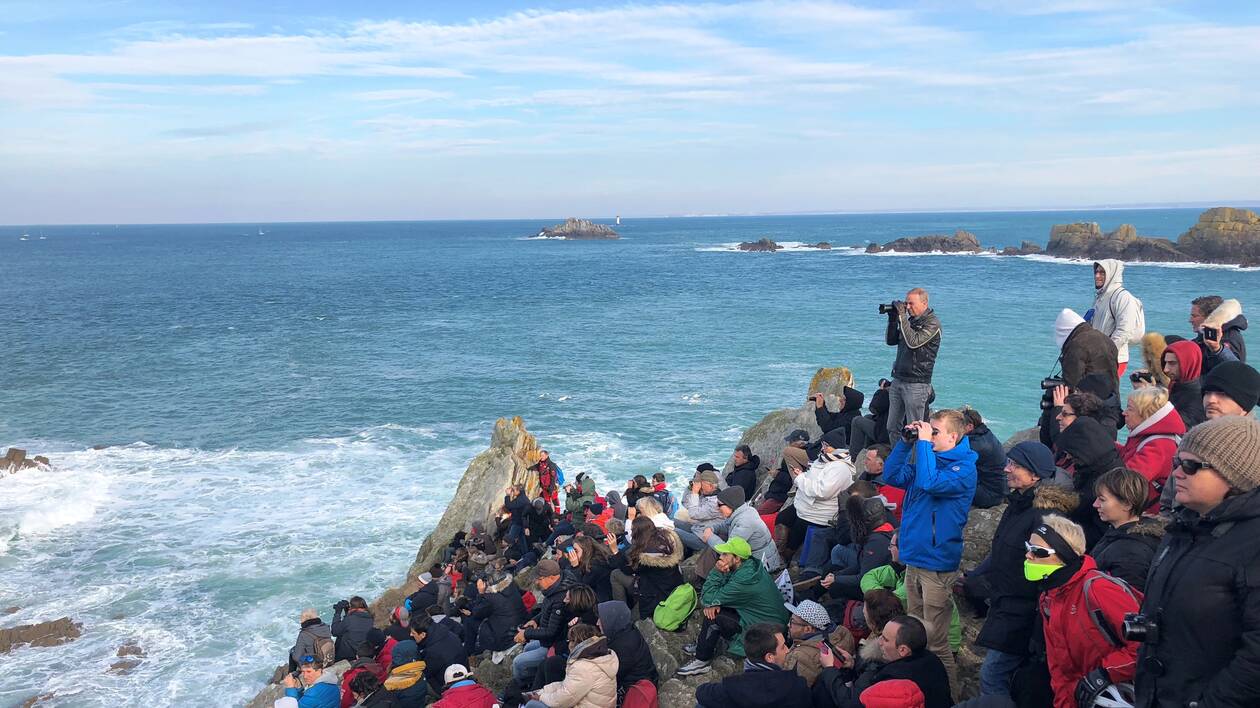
x=916, y=332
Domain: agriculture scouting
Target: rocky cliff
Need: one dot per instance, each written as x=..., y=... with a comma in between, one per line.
x=1222, y=235
x=959, y=242
x=580, y=230
x=1087, y=241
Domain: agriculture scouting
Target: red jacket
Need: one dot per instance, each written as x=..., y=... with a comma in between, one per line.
x=472, y=695
x=602, y=520
x=1152, y=456
x=1074, y=643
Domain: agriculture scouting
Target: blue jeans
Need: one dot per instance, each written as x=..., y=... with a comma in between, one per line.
x=516, y=538
x=844, y=560
x=526, y=663
x=996, y=672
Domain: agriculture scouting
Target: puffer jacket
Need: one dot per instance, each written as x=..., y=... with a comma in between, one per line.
x=818, y=489
x=657, y=573
x=552, y=617
x=1013, y=599
x=990, y=467
x=1203, y=590
x=1151, y=446
x=918, y=341
x=590, y=678
x=1126, y=551
x=406, y=676
x=324, y=693
x=467, y=694
x=500, y=614
x=750, y=591
x=1185, y=393
x=747, y=524
x=1228, y=318
x=1117, y=313
x=1074, y=643
x=745, y=476
x=1092, y=453
x=939, y=488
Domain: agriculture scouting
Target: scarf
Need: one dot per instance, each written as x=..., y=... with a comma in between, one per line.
x=750, y=665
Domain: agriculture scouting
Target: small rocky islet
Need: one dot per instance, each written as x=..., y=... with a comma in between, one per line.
x=579, y=230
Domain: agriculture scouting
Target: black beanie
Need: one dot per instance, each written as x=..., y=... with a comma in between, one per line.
x=1236, y=380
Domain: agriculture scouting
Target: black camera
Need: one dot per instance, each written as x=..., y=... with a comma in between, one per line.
x=884, y=309
x=1211, y=333
x=909, y=433
x=342, y=605
x=1140, y=628
x=1138, y=376
x=1048, y=385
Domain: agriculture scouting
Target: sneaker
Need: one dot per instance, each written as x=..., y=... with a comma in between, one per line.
x=690, y=649
x=694, y=668
x=499, y=657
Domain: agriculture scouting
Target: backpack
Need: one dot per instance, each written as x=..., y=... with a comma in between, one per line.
x=1100, y=621
x=667, y=501
x=325, y=650
x=641, y=695
x=1139, y=330
x=673, y=611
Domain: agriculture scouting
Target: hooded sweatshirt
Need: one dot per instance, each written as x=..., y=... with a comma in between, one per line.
x=634, y=658
x=1117, y=313
x=818, y=489
x=1185, y=393
x=1084, y=350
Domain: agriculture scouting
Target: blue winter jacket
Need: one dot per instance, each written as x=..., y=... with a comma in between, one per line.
x=324, y=693
x=939, y=488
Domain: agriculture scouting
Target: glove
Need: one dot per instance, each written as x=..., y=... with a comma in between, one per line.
x=1089, y=688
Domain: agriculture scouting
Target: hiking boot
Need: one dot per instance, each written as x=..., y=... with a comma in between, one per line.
x=694, y=668
x=690, y=649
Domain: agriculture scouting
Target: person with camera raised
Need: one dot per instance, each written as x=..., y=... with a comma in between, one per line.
x=1200, y=620
x=1084, y=350
x=936, y=466
x=351, y=625
x=1082, y=614
x=1219, y=324
x=916, y=332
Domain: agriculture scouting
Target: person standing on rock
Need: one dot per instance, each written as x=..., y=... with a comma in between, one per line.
x=1116, y=313
x=916, y=332
x=550, y=479
x=940, y=481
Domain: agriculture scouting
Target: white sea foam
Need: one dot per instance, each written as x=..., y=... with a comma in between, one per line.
x=786, y=247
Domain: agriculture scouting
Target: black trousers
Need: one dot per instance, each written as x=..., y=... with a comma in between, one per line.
x=726, y=624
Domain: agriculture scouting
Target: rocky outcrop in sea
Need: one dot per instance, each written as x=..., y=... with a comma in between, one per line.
x=580, y=230
x=1222, y=235
x=959, y=242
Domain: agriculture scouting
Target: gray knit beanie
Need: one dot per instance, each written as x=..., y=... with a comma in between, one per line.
x=1229, y=445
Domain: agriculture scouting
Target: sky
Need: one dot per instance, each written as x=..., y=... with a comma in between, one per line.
x=129, y=111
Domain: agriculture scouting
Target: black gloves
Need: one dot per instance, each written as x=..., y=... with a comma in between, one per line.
x=1088, y=688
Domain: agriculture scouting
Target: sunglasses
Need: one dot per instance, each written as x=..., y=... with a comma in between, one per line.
x=308, y=659
x=1190, y=467
x=1038, y=551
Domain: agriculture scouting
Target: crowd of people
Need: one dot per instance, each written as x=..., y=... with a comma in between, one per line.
x=1119, y=574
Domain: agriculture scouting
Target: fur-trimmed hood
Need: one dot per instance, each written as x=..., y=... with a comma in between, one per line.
x=1224, y=314
x=1153, y=346
x=1147, y=526
x=1052, y=497
x=666, y=550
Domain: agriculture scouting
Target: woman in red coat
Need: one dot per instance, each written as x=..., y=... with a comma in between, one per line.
x=1155, y=430
x=1082, y=613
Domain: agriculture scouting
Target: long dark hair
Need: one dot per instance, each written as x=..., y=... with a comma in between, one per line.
x=642, y=529
x=591, y=552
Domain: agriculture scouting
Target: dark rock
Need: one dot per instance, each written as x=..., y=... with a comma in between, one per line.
x=960, y=242
x=580, y=230
x=123, y=666
x=1025, y=248
x=15, y=459
x=10, y=610
x=822, y=246
x=131, y=648
x=41, y=699
x=1223, y=235
x=43, y=634
x=765, y=245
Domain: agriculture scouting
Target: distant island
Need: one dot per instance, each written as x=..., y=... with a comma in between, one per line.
x=1222, y=235
x=579, y=230
x=767, y=245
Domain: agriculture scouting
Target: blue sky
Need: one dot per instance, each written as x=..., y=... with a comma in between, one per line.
x=121, y=111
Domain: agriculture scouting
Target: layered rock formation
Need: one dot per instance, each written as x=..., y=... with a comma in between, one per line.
x=1222, y=235
x=959, y=242
x=580, y=230
x=1026, y=248
x=42, y=634
x=1087, y=241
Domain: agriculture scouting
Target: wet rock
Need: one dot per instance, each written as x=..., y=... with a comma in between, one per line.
x=15, y=459
x=123, y=666
x=43, y=634
x=10, y=610
x=822, y=246
x=764, y=245
x=959, y=242
x=580, y=230
x=39, y=700
x=131, y=648
x=1026, y=248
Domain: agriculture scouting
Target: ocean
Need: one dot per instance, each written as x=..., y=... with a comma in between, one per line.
x=282, y=411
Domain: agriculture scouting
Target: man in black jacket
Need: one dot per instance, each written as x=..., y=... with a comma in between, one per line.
x=868, y=430
x=850, y=408
x=351, y=624
x=744, y=473
x=904, y=646
x=634, y=658
x=548, y=626
x=439, y=648
x=516, y=504
x=916, y=332
x=764, y=682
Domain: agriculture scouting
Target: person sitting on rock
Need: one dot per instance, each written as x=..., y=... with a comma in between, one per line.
x=1011, y=597
x=743, y=521
x=652, y=561
x=872, y=428
x=588, y=559
x=364, y=664
x=315, y=687
x=744, y=470
x=850, y=408
x=438, y=647
x=904, y=645
x=1126, y=549
x=866, y=546
x=406, y=676
x=766, y=681
x=794, y=456
x=634, y=657
x=701, y=505
x=539, y=520
x=1155, y=429
x=313, y=639
x=662, y=495
x=873, y=460
x=637, y=488
x=817, y=500
x=366, y=691
x=542, y=632
x=737, y=594
x=352, y=628
x=399, y=621
x=494, y=616
x=892, y=578
x=515, y=506
x=809, y=627
x=1183, y=363
x=463, y=691
x=990, y=462
x=590, y=677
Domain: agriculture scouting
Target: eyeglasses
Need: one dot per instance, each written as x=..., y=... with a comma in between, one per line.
x=1190, y=467
x=1038, y=551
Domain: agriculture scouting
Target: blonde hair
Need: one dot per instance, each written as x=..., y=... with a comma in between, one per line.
x=310, y=613
x=1146, y=401
x=649, y=506
x=953, y=420
x=1069, y=530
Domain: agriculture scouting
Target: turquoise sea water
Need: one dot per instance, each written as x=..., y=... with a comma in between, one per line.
x=287, y=413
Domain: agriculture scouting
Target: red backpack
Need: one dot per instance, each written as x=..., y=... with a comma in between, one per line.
x=641, y=695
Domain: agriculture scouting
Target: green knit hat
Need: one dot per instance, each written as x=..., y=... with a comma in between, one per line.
x=1231, y=446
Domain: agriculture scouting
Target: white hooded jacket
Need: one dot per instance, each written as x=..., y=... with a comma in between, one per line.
x=1117, y=313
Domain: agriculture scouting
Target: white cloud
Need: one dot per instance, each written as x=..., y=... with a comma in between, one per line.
x=401, y=95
